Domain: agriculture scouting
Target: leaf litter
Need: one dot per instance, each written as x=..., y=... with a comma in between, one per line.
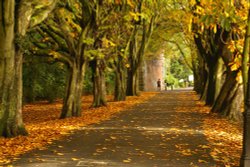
x=44, y=126
x=223, y=135
x=41, y=119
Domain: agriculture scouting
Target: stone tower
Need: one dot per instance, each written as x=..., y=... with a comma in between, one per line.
x=153, y=69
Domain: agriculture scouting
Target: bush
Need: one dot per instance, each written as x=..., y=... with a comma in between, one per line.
x=43, y=81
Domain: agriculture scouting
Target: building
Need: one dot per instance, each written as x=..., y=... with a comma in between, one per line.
x=152, y=70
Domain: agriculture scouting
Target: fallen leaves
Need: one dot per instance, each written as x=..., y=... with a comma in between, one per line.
x=127, y=160
x=202, y=161
x=225, y=137
x=60, y=154
x=225, y=140
x=113, y=137
x=43, y=125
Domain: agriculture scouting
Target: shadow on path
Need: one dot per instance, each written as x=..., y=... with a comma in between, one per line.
x=164, y=131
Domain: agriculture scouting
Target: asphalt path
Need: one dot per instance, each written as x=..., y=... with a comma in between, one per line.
x=163, y=131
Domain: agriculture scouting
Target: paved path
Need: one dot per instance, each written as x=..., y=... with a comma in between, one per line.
x=156, y=133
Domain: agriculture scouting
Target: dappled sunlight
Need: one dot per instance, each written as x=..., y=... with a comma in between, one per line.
x=148, y=129
x=52, y=49
x=225, y=139
x=44, y=126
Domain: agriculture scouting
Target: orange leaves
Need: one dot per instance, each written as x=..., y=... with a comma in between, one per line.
x=43, y=124
x=224, y=137
x=225, y=140
x=118, y=1
x=184, y=150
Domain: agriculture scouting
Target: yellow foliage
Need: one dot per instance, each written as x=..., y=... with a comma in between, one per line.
x=192, y=2
x=130, y=3
x=135, y=16
x=231, y=46
x=239, y=78
x=236, y=64
x=234, y=67
x=127, y=65
x=107, y=43
x=54, y=54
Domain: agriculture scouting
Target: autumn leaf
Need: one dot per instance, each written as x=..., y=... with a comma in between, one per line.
x=202, y=161
x=130, y=3
x=45, y=128
x=75, y=159
x=225, y=140
x=113, y=137
x=127, y=160
x=59, y=153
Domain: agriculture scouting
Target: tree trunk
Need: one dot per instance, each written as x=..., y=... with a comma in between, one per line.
x=230, y=98
x=245, y=58
x=19, y=88
x=131, y=73
x=197, y=82
x=212, y=59
x=210, y=87
x=234, y=104
x=120, y=81
x=72, y=100
x=225, y=90
x=11, y=123
x=131, y=83
x=204, y=74
x=136, y=55
x=197, y=78
x=211, y=84
x=219, y=79
x=99, y=85
x=199, y=73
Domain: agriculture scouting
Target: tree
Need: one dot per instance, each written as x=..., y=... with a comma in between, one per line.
x=245, y=56
x=103, y=10
x=14, y=25
x=121, y=39
x=69, y=35
x=245, y=159
x=11, y=123
x=137, y=45
x=218, y=28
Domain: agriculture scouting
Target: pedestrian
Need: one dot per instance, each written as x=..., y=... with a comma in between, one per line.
x=159, y=85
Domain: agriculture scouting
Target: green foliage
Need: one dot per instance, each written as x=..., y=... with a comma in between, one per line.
x=43, y=81
x=88, y=82
x=110, y=82
x=88, y=41
x=172, y=80
x=179, y=70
